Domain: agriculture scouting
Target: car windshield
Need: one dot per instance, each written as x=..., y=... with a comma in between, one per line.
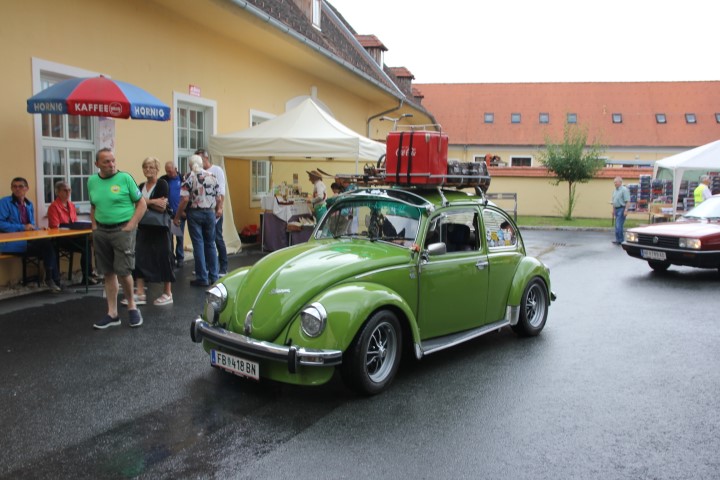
x=383, y=220
x=709, y=209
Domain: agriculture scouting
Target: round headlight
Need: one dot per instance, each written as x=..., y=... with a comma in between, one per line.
x=215, y=302
x=313, y=320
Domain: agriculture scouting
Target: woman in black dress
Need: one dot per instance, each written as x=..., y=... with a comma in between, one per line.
x=153, y=251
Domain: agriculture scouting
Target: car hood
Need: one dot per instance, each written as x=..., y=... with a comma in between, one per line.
x=282, y=283
x=680, y=229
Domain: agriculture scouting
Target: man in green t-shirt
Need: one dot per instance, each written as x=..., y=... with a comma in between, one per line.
x=116, y=208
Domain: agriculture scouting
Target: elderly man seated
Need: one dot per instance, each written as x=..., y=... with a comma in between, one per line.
x=16, y=215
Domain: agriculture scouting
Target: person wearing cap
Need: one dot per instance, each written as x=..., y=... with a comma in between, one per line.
x=319, y=194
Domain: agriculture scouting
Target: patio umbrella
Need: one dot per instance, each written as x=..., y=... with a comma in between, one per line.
x=98, y=97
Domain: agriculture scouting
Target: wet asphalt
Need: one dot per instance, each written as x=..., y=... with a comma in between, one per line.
x=622, y=384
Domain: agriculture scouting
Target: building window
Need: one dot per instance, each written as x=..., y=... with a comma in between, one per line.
x=690, y=118
x=515, y=118
x=717, y=117
x=544, y=118
x=260, y=170
x=316, y=13
x=192, y=131
x=489, y=117
x=660, y=118
x=68, y=150
x=520, y=161
x=572, y=118
x=617, y=117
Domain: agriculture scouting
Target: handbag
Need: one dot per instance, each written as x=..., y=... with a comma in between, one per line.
x=155, y=219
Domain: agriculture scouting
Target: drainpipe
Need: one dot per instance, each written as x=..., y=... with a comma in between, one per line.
x=402, y=102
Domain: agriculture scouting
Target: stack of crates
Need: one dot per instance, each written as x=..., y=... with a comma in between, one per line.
x=633, y=189
x=644, y=193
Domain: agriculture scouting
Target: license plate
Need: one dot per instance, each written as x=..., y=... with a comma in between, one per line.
x=653, y=255
x=236, y=365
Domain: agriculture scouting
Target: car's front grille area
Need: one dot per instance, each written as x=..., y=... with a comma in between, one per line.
x=667, y=242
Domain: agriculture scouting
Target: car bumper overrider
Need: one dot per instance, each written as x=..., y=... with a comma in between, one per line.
x=234, y=342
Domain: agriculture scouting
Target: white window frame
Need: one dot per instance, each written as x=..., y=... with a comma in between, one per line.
x=210, y=106
x=259, y=184
x=317, y=14
x=40, y=68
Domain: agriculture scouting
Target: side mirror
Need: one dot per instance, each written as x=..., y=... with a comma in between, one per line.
x=437, y=249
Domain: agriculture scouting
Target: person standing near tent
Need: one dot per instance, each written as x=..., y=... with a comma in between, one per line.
x=319, y=194
x=620, y=199
x=702, y=192
x=199, y=195
x=219, y=241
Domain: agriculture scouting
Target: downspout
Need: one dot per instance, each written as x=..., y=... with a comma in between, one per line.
x=402, y=102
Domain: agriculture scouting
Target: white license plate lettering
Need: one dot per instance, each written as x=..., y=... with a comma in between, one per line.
x=236, y=365
x=653, y=255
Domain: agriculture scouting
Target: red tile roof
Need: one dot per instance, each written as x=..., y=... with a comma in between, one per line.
x=460, y=109
x=370, y=41
x=401, y=72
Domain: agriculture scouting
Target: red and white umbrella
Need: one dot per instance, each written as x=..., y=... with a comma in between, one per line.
x=98, y=97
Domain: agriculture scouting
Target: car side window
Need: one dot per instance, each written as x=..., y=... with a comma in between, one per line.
x=457, y=229
x=499, y=231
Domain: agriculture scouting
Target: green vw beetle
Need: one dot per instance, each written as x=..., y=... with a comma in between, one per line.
x=387, y=272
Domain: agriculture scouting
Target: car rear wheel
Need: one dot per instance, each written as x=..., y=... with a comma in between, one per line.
x=371, y=362
x=533, y=309
x=658, y=266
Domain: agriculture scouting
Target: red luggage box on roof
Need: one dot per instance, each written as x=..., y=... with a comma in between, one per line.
x=416, y=157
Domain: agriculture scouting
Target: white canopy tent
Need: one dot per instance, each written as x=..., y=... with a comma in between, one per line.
x=688, y=165
x=302, y=133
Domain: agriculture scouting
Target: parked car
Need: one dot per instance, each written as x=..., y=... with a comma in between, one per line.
x=387, y=272
x=693, y=240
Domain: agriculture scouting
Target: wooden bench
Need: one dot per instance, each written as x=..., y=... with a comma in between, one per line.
x=26, y=260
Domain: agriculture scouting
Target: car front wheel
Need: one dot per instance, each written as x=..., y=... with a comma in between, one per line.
x=533, y=309
x=372, y=360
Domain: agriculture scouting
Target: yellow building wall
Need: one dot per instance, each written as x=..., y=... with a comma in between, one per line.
x=155, y=46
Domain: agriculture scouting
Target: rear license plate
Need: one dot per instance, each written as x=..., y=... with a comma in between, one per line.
x=653, y=255
x=236, y=365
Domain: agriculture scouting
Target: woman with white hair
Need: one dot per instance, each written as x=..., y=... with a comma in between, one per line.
x=153, y=252
x=199, y=194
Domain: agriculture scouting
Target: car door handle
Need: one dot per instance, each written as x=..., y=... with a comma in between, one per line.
x=481, y=264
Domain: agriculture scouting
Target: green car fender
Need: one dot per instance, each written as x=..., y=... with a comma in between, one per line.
x=348, y=306
x=528, y=269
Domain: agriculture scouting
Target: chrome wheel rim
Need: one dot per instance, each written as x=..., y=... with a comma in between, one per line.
x=535, y=305
x=381, y=352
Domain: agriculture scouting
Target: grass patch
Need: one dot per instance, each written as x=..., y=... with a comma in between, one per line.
x=527, y=221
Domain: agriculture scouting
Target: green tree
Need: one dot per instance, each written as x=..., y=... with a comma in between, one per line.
x=572, y=161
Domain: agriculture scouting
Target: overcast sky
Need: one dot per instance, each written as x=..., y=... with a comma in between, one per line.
x=481, y=41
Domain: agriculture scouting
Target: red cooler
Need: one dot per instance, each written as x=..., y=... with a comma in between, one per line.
x=416, y=157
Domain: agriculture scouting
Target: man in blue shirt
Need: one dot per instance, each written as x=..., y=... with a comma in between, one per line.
x=175, y=182
x=17, y=215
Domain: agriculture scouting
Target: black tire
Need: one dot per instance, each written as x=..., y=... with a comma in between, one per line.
x=533, y=309
x=372, y=360
x=658, y=266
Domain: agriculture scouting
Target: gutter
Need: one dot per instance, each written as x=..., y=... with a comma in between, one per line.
x=385, y=112
x=252, y=9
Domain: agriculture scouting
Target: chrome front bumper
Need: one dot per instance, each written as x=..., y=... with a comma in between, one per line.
x=294, y=356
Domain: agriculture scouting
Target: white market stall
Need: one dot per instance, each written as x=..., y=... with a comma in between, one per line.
x=688, y=165
x=305, y=133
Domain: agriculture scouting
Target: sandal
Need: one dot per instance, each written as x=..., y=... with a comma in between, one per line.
x=163, y=299
x=139, y=300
